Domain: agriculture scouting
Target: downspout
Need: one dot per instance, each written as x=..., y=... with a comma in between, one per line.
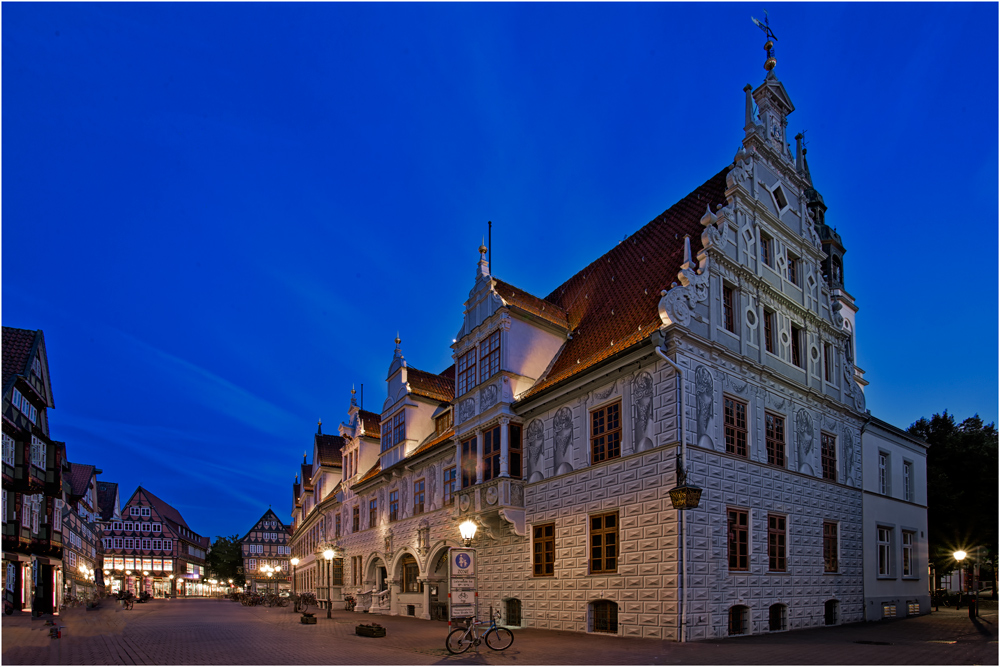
x=684, y=582
x=861, y=483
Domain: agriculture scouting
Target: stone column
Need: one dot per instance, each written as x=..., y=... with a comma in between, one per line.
x=504, y=447
x=479, y=456
x=426, y=585
x=393, y=585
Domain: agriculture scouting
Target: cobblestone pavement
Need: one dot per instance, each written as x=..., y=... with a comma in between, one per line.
x=217, y=632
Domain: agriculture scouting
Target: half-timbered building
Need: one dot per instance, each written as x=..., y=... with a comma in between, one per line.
x=266, y=553
x=83, y=548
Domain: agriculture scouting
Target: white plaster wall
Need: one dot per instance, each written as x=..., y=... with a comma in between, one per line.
x=530, y=350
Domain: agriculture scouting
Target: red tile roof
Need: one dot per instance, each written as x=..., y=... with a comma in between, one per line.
x=306, y=477
x=17, y=346
x=436, y=387
x=375, y=470
x=106, y=493
x=613, y=303
x=79, y=479
x=432, y=441
x=328, y=449
x=296, y=491
x=371, y=423
x=165, y=509
x=546, y=310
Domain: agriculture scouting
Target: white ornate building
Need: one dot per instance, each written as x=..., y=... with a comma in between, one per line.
x=713, y=347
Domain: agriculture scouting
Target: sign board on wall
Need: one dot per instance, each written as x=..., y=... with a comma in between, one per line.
x=462, y=590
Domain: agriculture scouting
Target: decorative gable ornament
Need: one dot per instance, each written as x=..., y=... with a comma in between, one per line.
x=678, y=303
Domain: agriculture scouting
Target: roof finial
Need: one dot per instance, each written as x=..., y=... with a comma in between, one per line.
x=319, y=428
x=483, y=270
x=769, y=45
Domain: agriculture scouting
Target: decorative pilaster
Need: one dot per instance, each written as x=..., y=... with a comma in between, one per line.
x=479, y=456
x=504, y=447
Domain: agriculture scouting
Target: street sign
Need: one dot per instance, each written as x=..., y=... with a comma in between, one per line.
x=463, y=597
x=463, y=563
x=463, y=584
x=463, y=611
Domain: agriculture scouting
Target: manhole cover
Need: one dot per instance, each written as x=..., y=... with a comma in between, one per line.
x=873, y=643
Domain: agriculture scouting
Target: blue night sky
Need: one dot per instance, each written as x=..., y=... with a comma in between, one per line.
x=221, y=214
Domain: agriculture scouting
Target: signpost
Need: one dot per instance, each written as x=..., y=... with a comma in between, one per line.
x=462, y=591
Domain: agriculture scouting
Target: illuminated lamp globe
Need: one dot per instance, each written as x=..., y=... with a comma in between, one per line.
x=468, y=531
x=960, y=555
x=295, y=561
x=328, y=554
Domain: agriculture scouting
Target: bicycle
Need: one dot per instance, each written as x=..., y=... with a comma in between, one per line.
x=496, y=637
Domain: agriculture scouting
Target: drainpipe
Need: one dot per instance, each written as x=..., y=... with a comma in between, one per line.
x=861, y=483
x=684, y=583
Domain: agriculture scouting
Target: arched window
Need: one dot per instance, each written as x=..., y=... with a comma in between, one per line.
x=832, y=612
x=739, y=617
x=604, y=615
x=410, y=573
x=777, y=618
x=513, y=615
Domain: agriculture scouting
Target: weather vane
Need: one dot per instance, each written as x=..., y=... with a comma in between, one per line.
x=771, y=39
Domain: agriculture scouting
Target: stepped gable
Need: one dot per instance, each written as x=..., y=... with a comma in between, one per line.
x=627, y=280
x=371, y=423
x=530, y=303
x=106, y=492
x=429, y=385
x=328, y=450
x=17, y=347
x=79, y=479
x=165, y=509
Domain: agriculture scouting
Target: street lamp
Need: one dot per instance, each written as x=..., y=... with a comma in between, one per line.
x=328, y=555
x=295, y=561
x=468, y=531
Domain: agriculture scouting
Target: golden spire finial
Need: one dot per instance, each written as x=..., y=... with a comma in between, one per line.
x=398, y=340
x=483, y=248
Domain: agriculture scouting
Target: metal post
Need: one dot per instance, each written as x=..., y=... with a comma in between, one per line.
x=329, y=590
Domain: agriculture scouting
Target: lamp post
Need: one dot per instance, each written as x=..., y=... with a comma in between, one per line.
x=328, y=555
x=468, y=531
x=959, y=556
x=173, y=589
x=295, y=562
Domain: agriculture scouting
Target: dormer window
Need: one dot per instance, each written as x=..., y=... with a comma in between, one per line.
x=36, y=367
x=490, y=357
x=398, y=428
x=443, y=423
x=466, y=371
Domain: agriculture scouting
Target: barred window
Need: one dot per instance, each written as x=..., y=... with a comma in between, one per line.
x=735, y=418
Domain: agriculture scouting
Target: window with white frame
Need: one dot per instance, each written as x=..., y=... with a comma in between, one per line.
x=168, y=545
x=129, y=543
x=37, y=452
x=146, y=543
x=883, y=473
x=118, y=543
x=8, y=449
x=3, y=495
x=908, y=565
x=157, y=528
x=908, y=481
x=116, y=525
x=134, y=511
x=146, y=511
x=884, y=551
x=15, y=398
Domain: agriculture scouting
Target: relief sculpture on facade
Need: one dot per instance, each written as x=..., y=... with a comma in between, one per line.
x=704, y=390
x=535, y=439
x=489, y=396
x=848, y=457
x=432, y=473
x=466, y=410
x=642, y=410
x=563, y=427
x=804, y=434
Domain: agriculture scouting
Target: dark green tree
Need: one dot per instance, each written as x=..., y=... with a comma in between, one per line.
x=962, y=484
x=225, y=560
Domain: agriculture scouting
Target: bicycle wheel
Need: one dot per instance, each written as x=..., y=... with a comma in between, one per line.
x=457, y=643
x=499, y=638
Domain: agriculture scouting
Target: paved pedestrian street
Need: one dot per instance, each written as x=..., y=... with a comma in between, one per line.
x=221, y=632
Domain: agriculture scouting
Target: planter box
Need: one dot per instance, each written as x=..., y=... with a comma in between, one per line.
x=308, y=619
x=370, y=631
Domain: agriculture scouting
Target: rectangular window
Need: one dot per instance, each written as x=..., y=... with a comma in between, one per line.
x=907, y=481
x=449, y=484
x=797, y=359
x=606, y=433
x=168, y=545
x=830, y=549
x=443, y=423
x=489, y=357
x=386, y=440
x=908, y=568
x=544, y=550
x=728, y=314
x=399, y=428
x=134, y=511
x=883, y=473
x=735, y=418
x=827, y=362
x=336, y=526
x=15, y=398
x=769, y=331
x=118, y=543
x=739, y=545
x=469, y=462
x=466, y=372
x=8, y=449
x=766, y=255
x=884, y=552
x=372, y=512
x=604, y=543
x=418, y=497
x=38, y=452
x=157, y=528
x=355, y=519
x=828, y=456
x=776, y=543
x=393, y=505
x=491, y=453
x=157, y=545
x=130, y=563
x=514, y=450
x=337, y=572
x=793, y=269
x=129, y=543
x=146, y=543
x=774, y=437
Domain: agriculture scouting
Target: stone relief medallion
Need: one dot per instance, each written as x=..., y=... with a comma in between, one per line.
x=848, y=457
x=463, y=502
x=489, y=396
x=804, y=435
x=704, y=391
x=601, y=395
x=563, y=426
x=642, y=410
x=491, y=495
x=466, y=410
x=535, y=439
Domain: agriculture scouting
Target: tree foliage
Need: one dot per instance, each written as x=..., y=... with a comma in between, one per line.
x=225, y=560
x=962, y=484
